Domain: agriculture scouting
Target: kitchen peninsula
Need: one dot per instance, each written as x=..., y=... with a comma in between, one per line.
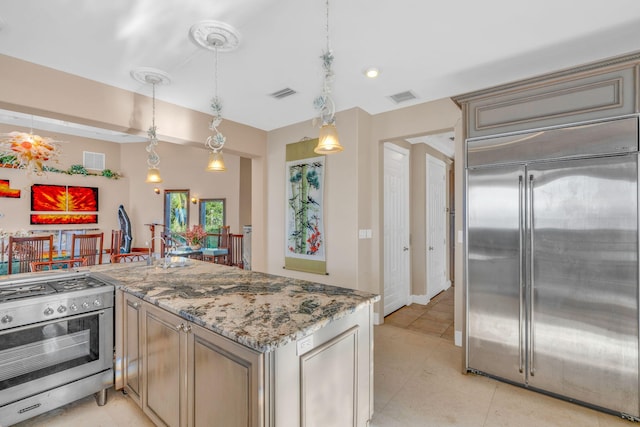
x=206, y=344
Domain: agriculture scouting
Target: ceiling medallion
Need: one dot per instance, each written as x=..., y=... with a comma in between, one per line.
x=147, y=75
x=214, y=35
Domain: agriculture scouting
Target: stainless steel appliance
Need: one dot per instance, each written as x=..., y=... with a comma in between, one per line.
x=56, y=342
x=552, y=262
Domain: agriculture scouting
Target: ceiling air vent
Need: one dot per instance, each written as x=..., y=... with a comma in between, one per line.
x=403, y=97
x=94, y=161
x=282, y=93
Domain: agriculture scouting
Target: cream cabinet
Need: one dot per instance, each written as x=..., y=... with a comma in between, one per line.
x=184, y=375
x=132, y=346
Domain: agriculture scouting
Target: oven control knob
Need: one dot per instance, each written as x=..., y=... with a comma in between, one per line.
x=73, y=307
x=97, y=303
x=6, y=319
x=85, y=305
x=62, y=309
x=48, y=311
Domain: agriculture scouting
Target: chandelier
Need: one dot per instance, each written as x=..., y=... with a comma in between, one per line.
x=28, y=151
x=216, y=36
x=154, y=78
x=328, y=142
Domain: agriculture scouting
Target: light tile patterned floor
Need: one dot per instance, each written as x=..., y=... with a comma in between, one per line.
x=417, y=380
x=435, y=318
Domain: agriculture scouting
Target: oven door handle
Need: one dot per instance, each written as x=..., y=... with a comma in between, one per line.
x=48, y=322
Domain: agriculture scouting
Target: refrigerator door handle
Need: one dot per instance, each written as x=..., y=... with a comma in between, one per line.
x=520, y=271
x=531, y=280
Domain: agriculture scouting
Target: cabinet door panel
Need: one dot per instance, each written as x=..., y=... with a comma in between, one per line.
x=224, y=381
x=164, y=362
x=132, y=361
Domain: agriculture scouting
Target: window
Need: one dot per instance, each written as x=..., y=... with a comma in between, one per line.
x=176, y=210
x=212, y=214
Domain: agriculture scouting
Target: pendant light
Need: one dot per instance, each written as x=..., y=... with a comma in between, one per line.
x=216, y=36
x=216, y=141
x=328, y=142
x=154, y=78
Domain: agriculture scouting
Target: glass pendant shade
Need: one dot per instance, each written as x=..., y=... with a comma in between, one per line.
x=328, y=142
x=216, y=162
x=153, y=175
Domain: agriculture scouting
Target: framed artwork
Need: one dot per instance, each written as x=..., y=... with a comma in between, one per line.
x=7, y=191
x=305, y=238
x=63, y=198
x=64, y=219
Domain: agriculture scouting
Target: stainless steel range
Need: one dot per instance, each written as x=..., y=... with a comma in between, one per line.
x=56, y=342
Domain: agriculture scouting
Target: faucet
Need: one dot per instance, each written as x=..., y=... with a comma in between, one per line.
x=164, y=244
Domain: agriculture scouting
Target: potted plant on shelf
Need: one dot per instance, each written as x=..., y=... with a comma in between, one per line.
x=195, y=236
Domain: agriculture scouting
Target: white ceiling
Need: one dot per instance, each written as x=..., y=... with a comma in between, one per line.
x=434, y=49
x=443, y=142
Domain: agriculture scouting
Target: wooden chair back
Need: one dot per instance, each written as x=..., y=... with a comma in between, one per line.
x=129, y=257
x=58, y=264
x=24, y=250
x=117, y=237
x=224, y=243
x=89, y=246
x=235, y=250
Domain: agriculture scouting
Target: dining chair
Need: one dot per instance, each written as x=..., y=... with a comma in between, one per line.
x=116, y=241
x=88, y=246
x=129, y=257
x=224, y=247
x=58, y=264
x=24, y=250
x=235, y=257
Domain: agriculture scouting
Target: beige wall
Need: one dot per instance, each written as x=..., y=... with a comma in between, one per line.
x=33, y=89
x=428, y=118
x=353, y=194
x=354, y=179
x=340, y=198
x=182, y=167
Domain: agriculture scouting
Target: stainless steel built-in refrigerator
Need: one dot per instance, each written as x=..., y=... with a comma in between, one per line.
x=552, y=261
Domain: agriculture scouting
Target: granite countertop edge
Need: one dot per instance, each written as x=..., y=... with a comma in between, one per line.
x=176, y=291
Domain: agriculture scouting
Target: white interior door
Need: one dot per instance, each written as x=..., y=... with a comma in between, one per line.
x=396, y=227
x=436, y=227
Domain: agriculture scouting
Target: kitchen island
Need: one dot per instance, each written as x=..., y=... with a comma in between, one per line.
x=206, y=344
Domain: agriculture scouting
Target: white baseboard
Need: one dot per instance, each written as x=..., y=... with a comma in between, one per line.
x=419, y=299
x=457, y=338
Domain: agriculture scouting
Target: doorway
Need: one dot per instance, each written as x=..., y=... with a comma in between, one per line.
x=436, y=210
x=396, y=228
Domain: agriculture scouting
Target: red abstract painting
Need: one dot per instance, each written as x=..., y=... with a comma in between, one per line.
x=63, y=219
x=60, y=198
x=7, y=191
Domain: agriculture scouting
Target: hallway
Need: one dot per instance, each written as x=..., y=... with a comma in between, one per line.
x=434, y=319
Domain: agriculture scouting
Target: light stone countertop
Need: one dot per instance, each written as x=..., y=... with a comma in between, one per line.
x=261, y=311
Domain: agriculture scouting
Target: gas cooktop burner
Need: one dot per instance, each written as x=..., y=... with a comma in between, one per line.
x=76, y=283
x=49, y=286
x=23, y=291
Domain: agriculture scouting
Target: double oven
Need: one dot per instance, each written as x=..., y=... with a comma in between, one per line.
x=56, y=342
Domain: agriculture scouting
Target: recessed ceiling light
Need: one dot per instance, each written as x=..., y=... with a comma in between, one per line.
x=372, y=72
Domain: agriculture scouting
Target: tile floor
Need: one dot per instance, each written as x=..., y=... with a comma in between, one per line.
x=435, y=318
x=417, y=383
